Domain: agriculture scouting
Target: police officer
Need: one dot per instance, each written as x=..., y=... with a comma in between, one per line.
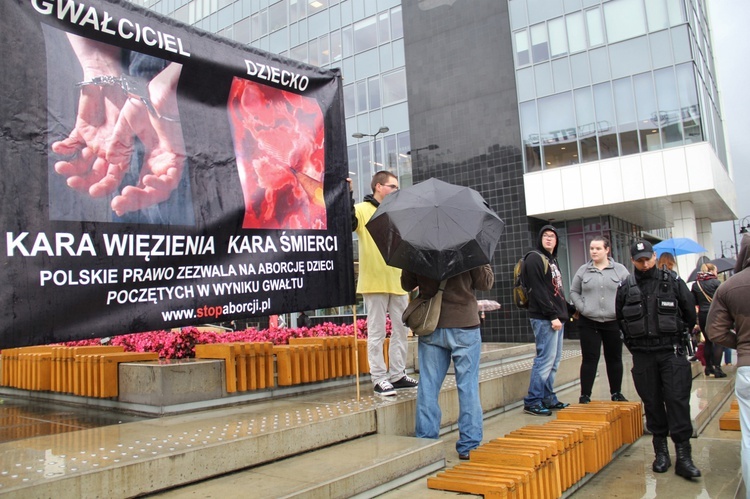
x=653, y=307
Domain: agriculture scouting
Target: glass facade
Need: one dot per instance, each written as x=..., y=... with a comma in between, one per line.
x=605, y=79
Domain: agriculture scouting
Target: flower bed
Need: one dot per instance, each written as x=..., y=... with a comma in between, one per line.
x=181, y=344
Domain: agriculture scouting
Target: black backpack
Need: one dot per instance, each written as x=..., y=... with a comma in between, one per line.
x=520, y=290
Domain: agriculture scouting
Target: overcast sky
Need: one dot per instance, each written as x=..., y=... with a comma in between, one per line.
x=730, y=23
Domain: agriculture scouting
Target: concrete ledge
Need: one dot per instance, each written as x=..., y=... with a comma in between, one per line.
x=171, y=382
x=160, y=454
x=365, y=467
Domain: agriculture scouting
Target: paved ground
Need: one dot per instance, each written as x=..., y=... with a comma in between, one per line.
x=629, y=476
x=715, y=452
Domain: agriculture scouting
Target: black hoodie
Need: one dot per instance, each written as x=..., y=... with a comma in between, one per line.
x=546, y=293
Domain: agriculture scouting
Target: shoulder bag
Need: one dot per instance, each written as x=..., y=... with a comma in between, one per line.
x=422, y=314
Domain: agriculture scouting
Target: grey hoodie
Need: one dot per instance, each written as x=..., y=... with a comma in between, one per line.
x=730, y=309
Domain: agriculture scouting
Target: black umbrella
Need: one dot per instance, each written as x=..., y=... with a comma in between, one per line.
x=722, y=265
x=435, y=229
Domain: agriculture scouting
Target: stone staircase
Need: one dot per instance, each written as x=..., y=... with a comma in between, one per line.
x=324, y=443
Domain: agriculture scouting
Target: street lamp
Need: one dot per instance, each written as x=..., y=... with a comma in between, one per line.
x=431, y=147
x=360, y=135
x=726, y=248
x=743, y=229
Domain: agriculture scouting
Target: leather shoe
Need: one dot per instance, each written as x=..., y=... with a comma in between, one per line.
x=464, y=457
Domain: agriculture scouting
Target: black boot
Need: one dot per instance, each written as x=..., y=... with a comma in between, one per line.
x=718, y=373
x=684, y=463
x=661, y=449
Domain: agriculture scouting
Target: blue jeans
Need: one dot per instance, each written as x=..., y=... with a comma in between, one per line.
x=435, y=353
x=548, y=353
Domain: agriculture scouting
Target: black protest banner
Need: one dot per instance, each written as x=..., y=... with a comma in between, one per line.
x=156, y=176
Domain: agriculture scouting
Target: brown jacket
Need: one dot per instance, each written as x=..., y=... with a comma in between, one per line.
x=459, y=306
x=730, y=309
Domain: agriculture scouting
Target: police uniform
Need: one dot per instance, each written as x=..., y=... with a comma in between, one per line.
x=653, y=308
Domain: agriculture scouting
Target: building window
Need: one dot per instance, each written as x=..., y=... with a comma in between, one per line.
x=277, y=15
x=523, y=56
x=606, y=130
x=373, y=88
x=394, y=87
x=586, y=120
x=558, y=128
x=558, y=43
x=576, y=32
x=626, y=120
x=624, y=19
x=530, y=136
x=648, y=120
x=365, y=35
x=539, y=44
x=594, y=27
x=689, y=106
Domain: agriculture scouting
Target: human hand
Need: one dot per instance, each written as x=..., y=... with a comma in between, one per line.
x=160, y=132
x=83, y=163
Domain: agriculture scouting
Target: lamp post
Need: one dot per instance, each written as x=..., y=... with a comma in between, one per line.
x=726, y=247
x=415, y=151
x=743, y=229
x=360, y=135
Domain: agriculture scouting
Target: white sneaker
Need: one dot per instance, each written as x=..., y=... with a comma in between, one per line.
x=384, y=388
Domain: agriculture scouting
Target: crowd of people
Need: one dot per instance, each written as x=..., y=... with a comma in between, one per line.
x=651, y=311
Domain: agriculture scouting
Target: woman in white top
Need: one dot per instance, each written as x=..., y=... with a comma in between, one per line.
x=593, y=292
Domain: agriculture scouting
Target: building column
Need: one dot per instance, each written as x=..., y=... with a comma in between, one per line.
x=685, y=226
x=705, y=236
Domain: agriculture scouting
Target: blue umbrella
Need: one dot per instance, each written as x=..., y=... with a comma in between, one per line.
x=678, y=246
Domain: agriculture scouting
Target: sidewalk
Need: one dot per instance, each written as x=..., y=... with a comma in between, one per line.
x=629, y=476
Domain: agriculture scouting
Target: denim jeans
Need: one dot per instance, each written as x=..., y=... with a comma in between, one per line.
x=742, y=391
x=435, y=353
x=548, y=353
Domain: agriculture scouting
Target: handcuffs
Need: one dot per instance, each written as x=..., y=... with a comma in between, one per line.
x=133, y=88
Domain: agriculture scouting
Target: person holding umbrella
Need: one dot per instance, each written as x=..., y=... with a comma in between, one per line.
x=593, y=292
x=379, y=285
x=703, y=291
x=548, y=313
x=456, y=338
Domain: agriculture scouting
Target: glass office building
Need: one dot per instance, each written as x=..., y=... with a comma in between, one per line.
x=601, y=117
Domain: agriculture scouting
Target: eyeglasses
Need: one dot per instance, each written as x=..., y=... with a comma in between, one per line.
x=390, y=186
x=549, y=236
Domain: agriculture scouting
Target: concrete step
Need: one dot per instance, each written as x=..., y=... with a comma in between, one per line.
x=146, y=456
x=365, y=467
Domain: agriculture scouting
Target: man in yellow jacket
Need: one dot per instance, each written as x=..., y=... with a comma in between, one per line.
x=380, y=286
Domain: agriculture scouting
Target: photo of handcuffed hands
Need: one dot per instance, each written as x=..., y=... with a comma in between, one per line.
x=115, y=110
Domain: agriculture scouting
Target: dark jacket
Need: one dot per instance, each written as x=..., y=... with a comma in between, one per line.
x=459, y=305
x=709, y=287
x=648, y=282
x=731, y=309
x=546, y=292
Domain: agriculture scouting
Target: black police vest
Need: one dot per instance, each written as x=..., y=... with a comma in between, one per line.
x=640, y=321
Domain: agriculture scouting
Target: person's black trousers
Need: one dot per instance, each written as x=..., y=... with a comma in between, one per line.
x=592, y=336
x=663, y=381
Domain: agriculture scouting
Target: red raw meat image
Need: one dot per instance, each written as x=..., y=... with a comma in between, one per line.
x=278, y=142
